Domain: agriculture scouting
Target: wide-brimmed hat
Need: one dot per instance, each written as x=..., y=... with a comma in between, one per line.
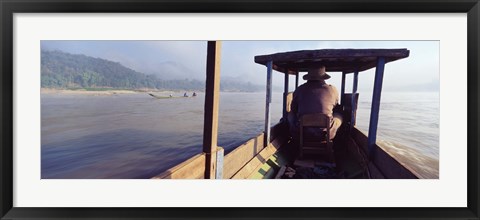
x=317, y=73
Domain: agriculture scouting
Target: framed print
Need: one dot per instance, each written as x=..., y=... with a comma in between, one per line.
x=256, y=110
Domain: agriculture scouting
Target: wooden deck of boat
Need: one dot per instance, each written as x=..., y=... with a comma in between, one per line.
x=349, y=162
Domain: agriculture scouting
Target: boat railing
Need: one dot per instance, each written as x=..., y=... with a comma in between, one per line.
x=193, y=168
x=383, y=165
x=238, y=164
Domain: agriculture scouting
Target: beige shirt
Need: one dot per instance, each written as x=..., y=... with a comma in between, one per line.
x=314, y=97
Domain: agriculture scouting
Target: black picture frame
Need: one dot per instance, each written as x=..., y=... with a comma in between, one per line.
x=9, y=7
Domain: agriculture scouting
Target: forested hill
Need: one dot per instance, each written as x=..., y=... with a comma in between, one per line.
x=64, y=70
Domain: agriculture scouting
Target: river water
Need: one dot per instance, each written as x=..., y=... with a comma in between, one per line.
x=125, y=136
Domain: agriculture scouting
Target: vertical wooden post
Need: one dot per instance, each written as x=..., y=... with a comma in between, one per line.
x=212, y=93
x=267, y=103
x=342, y=90
x=296, y=80
x=285, y=94
x=219, y=171
x=377, y=91
x=354, y=92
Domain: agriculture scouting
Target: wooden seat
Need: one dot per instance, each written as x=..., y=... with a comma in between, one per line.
x=317, y=145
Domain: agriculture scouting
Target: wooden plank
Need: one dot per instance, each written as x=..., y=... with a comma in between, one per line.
x=303, y=56
x=219, y=163
x=285, y=94
x=193, y=168
x=375, y=110
x=269, y=169
x=236, y=159
x=338, y=53
x=390, y=166
x=336, y=60
x=353, y=102
x=342, y=90
x=297, y=75
x=259, y=159
x=212, y=94
x=269, y=172
x=268, y=101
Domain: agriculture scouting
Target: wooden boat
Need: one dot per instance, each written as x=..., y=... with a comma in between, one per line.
x=270, y=153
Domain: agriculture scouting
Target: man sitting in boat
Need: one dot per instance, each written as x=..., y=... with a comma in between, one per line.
x=315, y=96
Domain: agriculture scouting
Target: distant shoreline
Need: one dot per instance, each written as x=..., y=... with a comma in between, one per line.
x=117, y=91
x=98, y=92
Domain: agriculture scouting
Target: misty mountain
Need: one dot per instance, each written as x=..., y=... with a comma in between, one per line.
x=64, y=70
x=173, y=70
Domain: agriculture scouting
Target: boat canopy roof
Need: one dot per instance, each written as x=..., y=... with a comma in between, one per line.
x=335, y=60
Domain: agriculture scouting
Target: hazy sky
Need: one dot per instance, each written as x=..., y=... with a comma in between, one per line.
x=186, y=59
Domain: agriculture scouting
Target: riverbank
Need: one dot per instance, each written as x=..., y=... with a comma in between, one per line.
x=99, y=92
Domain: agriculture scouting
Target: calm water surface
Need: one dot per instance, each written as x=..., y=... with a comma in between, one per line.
x=128, y=136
